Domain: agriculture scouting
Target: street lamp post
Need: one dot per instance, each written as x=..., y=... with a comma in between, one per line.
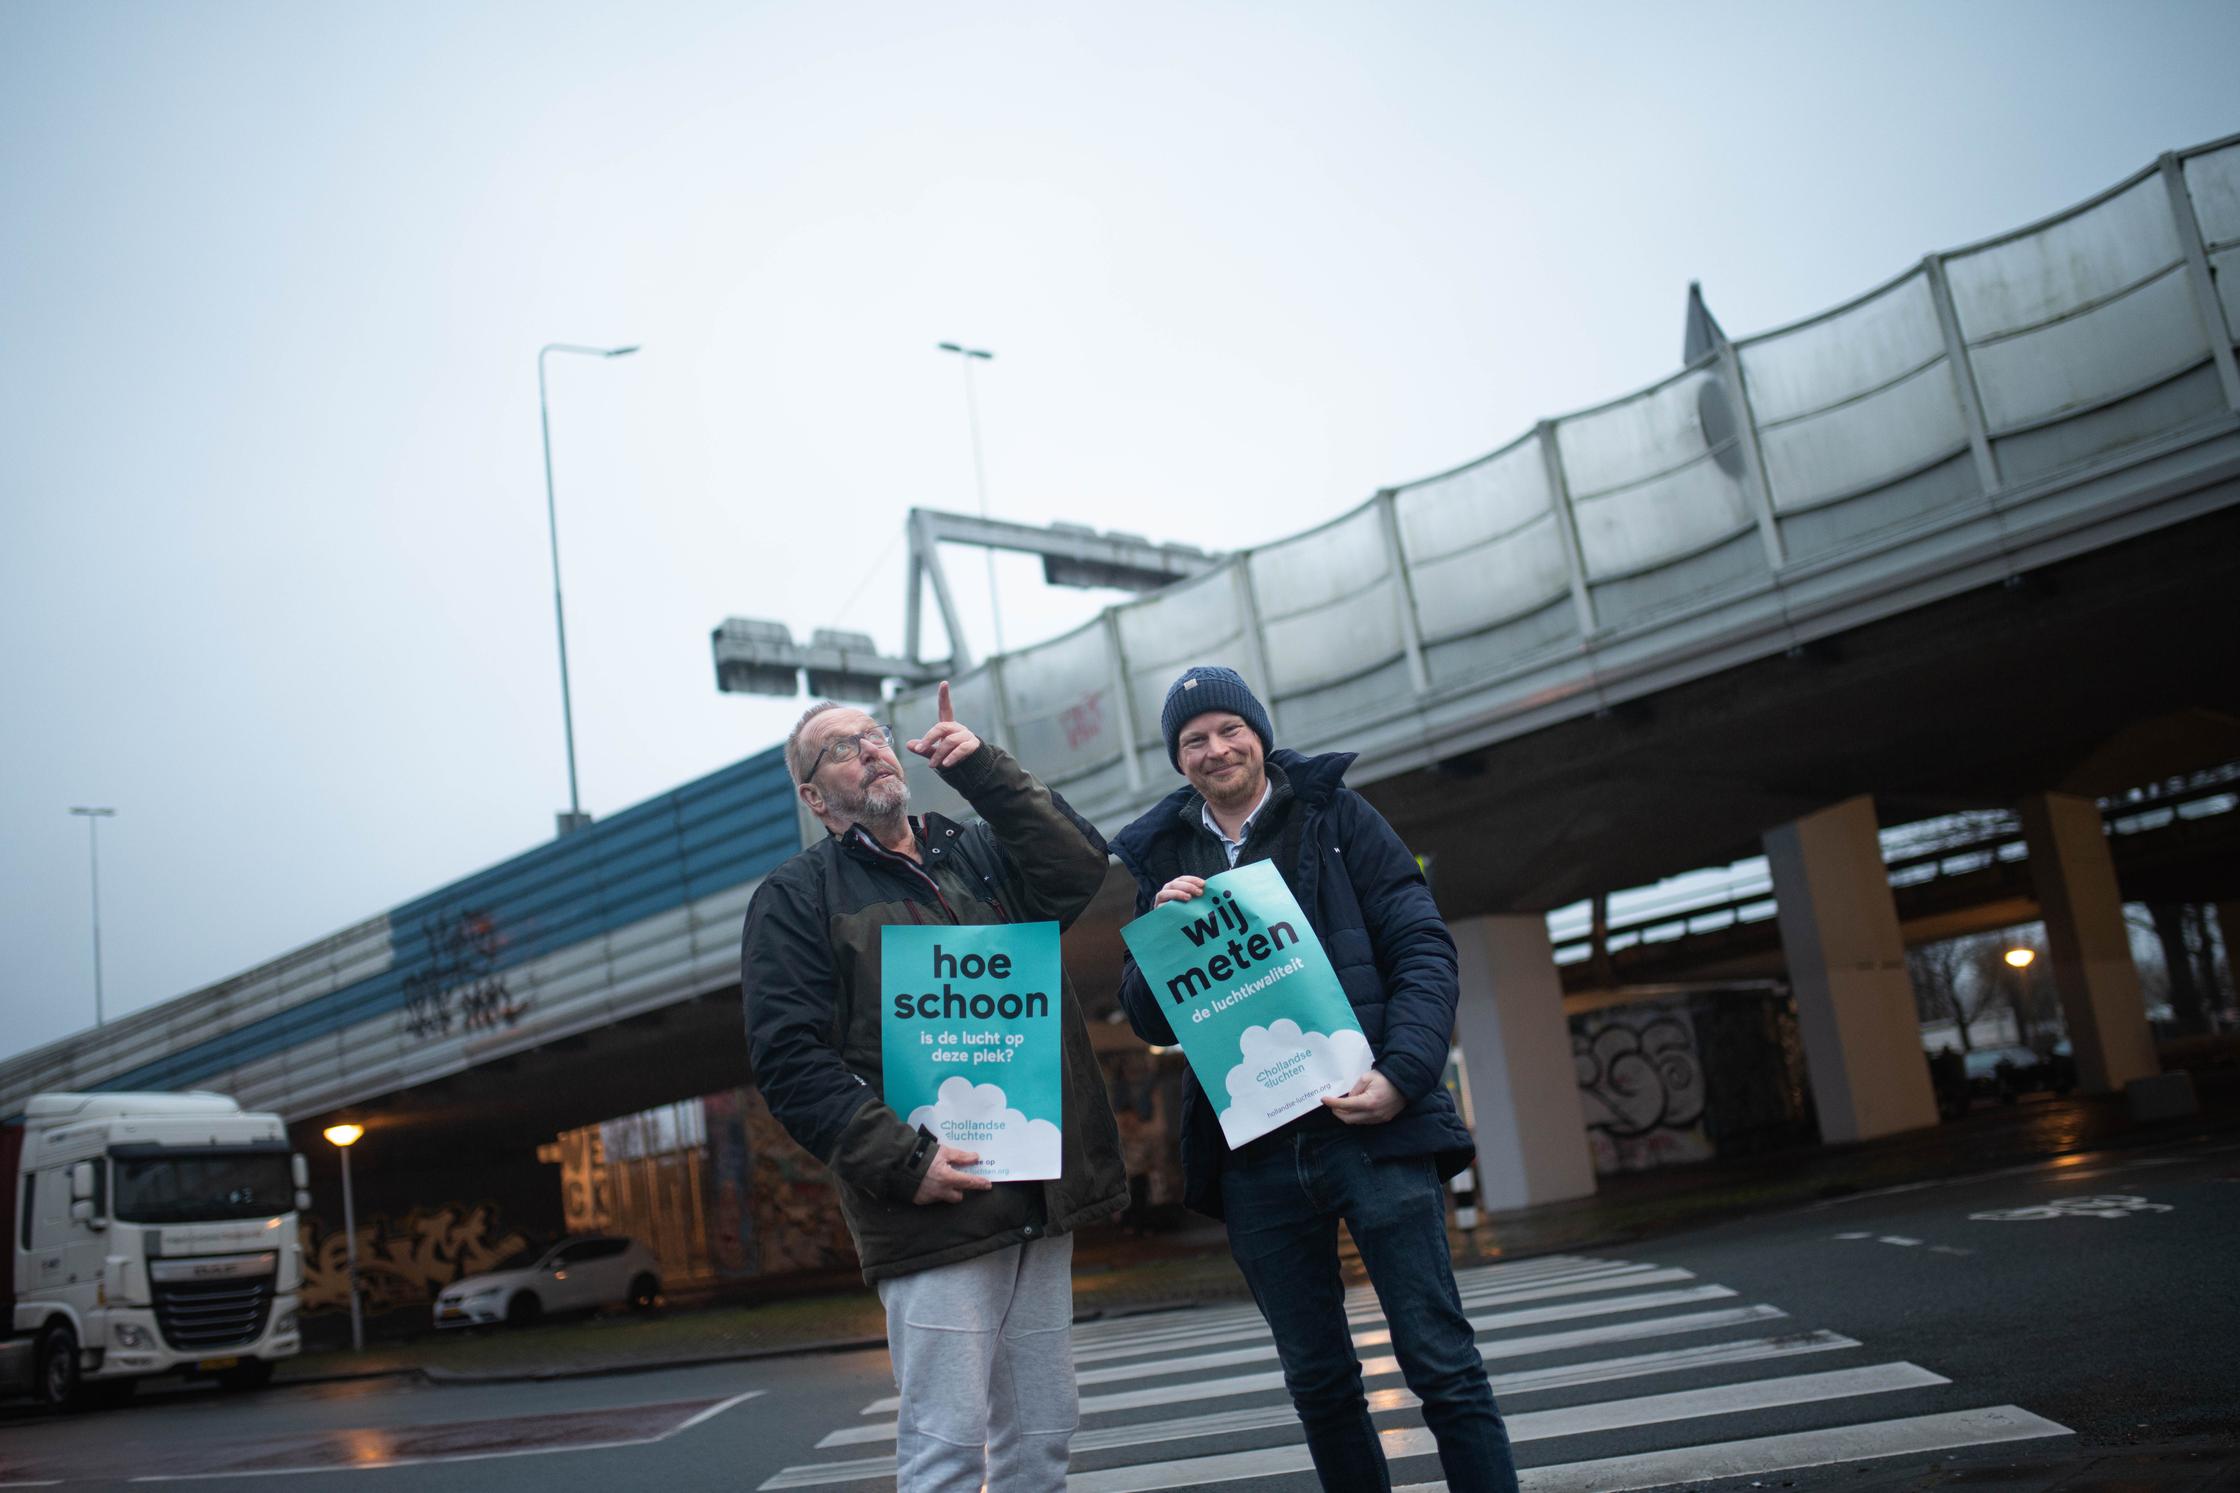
x=2019, y=960
x=343, y=1137
x=968, y=356
x=575, y=818
x=93, y=818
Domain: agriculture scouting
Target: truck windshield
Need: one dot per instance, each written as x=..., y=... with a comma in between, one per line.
x=203, y=1186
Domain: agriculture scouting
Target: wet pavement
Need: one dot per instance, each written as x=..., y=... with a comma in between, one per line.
x=704, y=1390
x=1118, y=1272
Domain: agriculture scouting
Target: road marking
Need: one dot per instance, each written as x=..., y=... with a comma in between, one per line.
x=2103, y=1205
x=1094, y=1342
x=496, y=1427
x=1566, y=1376
x=1254, y=1325
x=1913, y=1435
x=1403, y=1441
x=1898, y=1239
x=1188, y=1387
x=1546, y=1342
x=1689, y=1465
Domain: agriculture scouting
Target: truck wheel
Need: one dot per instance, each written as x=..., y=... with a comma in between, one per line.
x=523, y=1310
x=254, y=1373
x=644, y=1292
x=58, y=1383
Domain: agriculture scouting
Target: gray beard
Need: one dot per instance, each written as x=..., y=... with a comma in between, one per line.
x=881, y=809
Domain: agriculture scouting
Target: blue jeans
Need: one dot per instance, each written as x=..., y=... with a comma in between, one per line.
x=1282, y=1197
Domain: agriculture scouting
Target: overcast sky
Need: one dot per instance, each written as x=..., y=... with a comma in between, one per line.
x=273, y=568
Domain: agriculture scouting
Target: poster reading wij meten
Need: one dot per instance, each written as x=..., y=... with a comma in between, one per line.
x=1252, y=998
x=971, y=1041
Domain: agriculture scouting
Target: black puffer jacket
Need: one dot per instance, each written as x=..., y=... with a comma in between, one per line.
x=810, y=972
x=1366, y=897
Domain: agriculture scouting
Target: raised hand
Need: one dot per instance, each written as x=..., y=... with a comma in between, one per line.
x=949, y=742
x=944, y=1183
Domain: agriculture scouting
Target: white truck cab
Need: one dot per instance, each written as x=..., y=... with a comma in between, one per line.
x=148, y=1234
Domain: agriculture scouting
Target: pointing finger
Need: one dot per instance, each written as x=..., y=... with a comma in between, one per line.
x=948, y=713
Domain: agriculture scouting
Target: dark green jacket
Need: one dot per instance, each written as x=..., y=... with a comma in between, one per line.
x=810, y=973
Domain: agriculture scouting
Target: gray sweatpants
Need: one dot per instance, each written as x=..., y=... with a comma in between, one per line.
x=983, y=1361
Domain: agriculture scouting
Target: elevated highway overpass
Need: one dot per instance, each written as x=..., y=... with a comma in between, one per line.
x=1969, y=540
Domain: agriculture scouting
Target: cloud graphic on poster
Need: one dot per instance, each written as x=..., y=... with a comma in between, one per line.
x=979, y=1117
x=1281, y=1066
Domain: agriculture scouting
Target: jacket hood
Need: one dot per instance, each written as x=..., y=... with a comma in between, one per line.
x=1313, y=781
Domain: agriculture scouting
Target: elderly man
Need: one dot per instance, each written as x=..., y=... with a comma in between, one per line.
x=976, y=1276
x=1374, y=1157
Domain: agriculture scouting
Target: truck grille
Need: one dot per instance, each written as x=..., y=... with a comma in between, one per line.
x=213, y=1313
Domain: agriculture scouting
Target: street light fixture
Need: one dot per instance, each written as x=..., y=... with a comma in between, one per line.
x=93, y=818
x=575, y=818
x=968, y=356
x=343, y=1137
x=2021, y=958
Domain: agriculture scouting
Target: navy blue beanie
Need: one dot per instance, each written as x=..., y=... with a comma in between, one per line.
x=1210, y=687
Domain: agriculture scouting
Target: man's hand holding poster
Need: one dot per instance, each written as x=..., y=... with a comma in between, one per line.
x=1252, y=998
x=969, y=1041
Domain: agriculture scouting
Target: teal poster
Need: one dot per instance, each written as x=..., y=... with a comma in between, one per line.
x=1252, y=999
x=970, y=1044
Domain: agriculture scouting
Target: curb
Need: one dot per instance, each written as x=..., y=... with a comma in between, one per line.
x=459, y=1378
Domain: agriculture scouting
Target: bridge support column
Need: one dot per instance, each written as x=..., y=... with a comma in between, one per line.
x=2101, y=1002
x=1847, y=964
x=1516, y=1057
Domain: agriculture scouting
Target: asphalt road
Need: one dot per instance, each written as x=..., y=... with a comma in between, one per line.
x=2039, y=1315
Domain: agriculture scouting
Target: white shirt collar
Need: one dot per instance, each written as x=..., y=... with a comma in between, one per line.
x=1244, y=830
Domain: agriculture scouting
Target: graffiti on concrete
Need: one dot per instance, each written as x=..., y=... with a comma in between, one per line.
x=402, y=1262
x=1083, y=720
x=460, y=986
x=1641, y=1085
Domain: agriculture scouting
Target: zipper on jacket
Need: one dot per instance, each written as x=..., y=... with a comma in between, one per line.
x=914, y=868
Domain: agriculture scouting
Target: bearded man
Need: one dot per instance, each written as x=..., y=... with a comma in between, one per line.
x=976, y=1276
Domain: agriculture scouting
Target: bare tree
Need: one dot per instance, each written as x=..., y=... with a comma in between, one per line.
x=1936, y=969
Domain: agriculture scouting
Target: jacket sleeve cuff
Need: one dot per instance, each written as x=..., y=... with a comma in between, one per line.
x=1407, y=1076
x=881, y=1155
x=974, y=774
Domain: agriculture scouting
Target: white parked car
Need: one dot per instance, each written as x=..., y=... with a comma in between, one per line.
x=580, y=1273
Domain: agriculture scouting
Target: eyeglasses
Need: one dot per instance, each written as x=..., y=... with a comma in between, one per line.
x=846, y=748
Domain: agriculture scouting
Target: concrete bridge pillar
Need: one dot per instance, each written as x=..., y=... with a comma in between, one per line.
x=1847, y=964
x=1516, y=1057
x=2101, y=1002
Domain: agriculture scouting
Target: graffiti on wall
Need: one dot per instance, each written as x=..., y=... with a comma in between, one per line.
x=460, y=986
x=403, y=1262
x=1641, y=1085
x=794, y=1215
x=1083, y=720
x=730, y=1184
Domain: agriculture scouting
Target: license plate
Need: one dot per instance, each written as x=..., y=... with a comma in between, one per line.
x=213, y=1365
x=452, y=1311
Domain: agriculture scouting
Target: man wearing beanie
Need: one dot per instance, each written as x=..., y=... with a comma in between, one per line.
x=1376, y=1157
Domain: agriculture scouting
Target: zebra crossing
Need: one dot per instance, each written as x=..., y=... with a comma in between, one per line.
x=1611, y=1375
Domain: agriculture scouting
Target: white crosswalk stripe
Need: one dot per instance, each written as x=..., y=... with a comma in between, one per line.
x=1163, y=1423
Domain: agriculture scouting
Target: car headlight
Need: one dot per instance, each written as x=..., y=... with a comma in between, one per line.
x=132, y=1335
x=286, y=1324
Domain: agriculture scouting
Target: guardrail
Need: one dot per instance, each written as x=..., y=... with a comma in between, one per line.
x=1742, y=503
